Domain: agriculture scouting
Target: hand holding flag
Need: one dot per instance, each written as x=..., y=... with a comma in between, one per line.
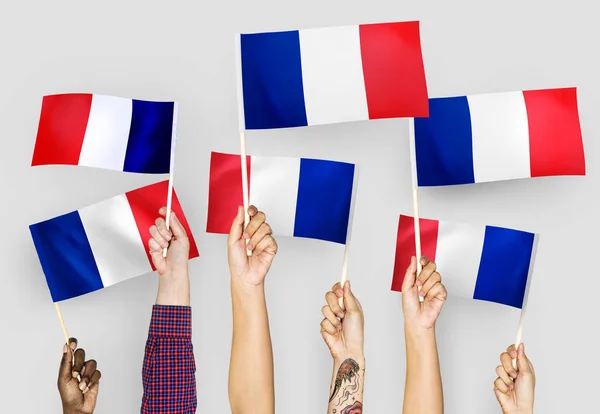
x=422, y=314
x=251, y=270
x=514, y=388
x=77, y=396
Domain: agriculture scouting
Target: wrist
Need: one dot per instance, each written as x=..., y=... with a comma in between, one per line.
x=358, y=356
x=71, y=411
x=173, y=290
x=238, y=284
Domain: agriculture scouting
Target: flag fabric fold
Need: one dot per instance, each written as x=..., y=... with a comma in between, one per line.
x=480, y=262
x=102, y=244
x=106, y=132
x=328, y=75
x=302, y=197
x=499, y=136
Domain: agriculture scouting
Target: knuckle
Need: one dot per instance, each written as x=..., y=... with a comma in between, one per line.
x=261, y=216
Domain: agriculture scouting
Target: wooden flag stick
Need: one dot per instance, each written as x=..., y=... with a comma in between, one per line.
x=349, y=234
x=525, y=297
x=171, y=169
x=245, y=183
x=413, y=160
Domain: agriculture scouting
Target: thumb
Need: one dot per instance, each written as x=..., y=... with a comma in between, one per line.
x=350, y=301
x=410, y=277
x=522, y=361
x=66, y=364
x=237, y=227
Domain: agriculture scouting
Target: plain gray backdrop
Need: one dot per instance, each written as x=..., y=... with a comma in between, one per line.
x=184, y=51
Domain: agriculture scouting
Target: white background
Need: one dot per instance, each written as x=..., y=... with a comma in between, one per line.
x=185, y=51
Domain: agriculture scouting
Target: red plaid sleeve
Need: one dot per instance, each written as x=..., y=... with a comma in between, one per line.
x=169, y=372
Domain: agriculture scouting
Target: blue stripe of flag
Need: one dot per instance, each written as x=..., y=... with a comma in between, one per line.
x=444, y=143
x=324, y=199
x=150, y=136
x=273, y=92
x=504, y=266
x=66, y=256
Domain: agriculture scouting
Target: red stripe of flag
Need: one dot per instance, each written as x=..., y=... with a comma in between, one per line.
x=61, y=129
x=224, y=191
x=405, y=245
x=393, y=70
x=145, y=203
x=555, y=142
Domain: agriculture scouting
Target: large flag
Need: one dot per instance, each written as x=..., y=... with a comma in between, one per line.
x=102, y=244
x=106, y=132
x=499, y=136
x=480, y=262
x=302, y=197
x=328, y=75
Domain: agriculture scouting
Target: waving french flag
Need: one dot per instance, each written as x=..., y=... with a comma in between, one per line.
x=499, y=136
x=102, y=244
x=302, y=197
x=480, y=262
x=106, y=132
x=328, y=75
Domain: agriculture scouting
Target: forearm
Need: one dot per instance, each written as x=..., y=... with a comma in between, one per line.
x=347, y=385
x=173, y=290
x=251, y=366
x=423, y=390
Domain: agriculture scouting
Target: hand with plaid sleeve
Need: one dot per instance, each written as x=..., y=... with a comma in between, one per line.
x=169, y=371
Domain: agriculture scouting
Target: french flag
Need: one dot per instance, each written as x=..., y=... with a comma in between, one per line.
x=499, y=136
x=106, y=132
x=328, y=75
x=301, y=197
x=480, y=262
x=102, y=244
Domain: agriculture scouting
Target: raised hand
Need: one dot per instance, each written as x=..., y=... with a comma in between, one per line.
x=343, y=336
x=173, y=280
x=422, y=314
x=515, y=388
x=251, y=270
x=78, y=397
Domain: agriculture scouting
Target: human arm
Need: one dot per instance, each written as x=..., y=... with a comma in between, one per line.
x=342, y=330
x=251, y=385
x=423, y=390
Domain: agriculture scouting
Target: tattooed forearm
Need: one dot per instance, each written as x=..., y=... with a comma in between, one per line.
x=347, y=389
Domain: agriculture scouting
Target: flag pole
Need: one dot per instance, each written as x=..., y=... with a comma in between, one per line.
x=525, y=297
x=413, y=161
x=171, y=169
x=245, y=183
x=349, y=234
x=64, y=329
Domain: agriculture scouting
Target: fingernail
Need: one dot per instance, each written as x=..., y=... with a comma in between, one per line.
x=86, y=390
x=421, y=293
x=246, y=236
x=513, y=354
x=340, y=315
x=83, y=371
x=82, y=385
x=339, y=292
x=513, y=375
x=419, y=283
x=250, y=247
x=65, y=348
x=75, y=374
x=168, y=237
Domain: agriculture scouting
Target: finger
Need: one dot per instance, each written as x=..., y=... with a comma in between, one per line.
x=330, y=316
x=438, y=291
x=410, y=275
x=328, y=327
x=334, y=304
x=88, y=370
x=94, y=384
x=501, y=386
x=73, y=344
x=237, y=227
x=424, y=261
x=426, y=273
x=66, y=363
x=506, y=361
x=337, y=289
x=512, y=351
x=435, y=278
x=156, y=252
x=502, y=374
x=79, y=361
x=268, y=244
x=350, y=301
x=176, y=226
x=523, y=362
x=158, y=237
x=252, y=210
x=263, y=231
x=161, y=225
x=255, y=222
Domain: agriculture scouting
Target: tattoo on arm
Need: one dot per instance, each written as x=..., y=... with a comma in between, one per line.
x=345, y=387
